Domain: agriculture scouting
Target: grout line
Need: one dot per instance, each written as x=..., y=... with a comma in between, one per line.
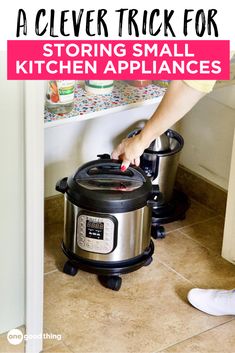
x=171, y=269
x=202, y=204
x=49, y=272
x=199, y=243
x=192, y=224
x=220, y=213
x=212, y=252
x=188, y=338
x=70, y=350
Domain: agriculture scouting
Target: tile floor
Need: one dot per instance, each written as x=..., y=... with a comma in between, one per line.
x=150, y=314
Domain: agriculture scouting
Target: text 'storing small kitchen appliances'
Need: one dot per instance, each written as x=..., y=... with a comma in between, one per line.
x=160, y=162
x=108, y=215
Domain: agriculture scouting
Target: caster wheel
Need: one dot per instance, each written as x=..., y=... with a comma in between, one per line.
x=158, y=232
x=70, y=268
x=161, y=232
x=111, y=282
x=148, y=262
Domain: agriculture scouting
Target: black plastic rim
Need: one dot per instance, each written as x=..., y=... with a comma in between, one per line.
x=110, y=267
x=172, y=134
x=173, y=210
x=108, y=201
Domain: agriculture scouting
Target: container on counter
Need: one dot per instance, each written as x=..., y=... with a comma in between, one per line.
x=60, y=96
x=98, y=86
x=139, y=83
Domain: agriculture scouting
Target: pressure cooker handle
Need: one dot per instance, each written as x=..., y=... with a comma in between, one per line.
x=109, y=168
x=134, y=132
x=62, y=185
x=155, y=200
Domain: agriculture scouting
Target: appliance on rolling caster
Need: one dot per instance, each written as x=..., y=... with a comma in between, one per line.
x=108, y=215
x=160, y=162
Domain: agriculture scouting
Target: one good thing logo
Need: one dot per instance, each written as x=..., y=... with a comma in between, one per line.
x=15, y=336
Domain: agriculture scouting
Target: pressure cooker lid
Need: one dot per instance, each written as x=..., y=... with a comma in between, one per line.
x=110, y=177
x=100, y=185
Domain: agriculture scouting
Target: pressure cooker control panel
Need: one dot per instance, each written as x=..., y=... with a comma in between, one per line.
x=96, y=234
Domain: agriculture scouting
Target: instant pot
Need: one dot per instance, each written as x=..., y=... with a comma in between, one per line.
x=108, y=214
x=160, y=162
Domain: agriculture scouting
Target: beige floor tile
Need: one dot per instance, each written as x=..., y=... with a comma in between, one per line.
x=218, y=340
x=196, y=213
x=149, y=313
x=7, y=347
x=208, y=233
x=196, y=263
x=54, y=257
x=51, y=338
x=59, y=348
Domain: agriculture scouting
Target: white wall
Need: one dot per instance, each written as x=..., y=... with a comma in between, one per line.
x=207, y=130
x=72, y=144
x=208, y=133
x=12, y=206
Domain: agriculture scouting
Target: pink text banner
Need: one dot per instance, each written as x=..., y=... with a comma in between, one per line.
x=118, y=60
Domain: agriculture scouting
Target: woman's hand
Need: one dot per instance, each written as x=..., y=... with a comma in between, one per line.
x=172, y=108
x=129, y=151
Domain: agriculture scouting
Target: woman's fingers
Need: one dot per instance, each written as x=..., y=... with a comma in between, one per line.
x=137, y=161
x=117, y=152
x=125, y=164
x=129, y=151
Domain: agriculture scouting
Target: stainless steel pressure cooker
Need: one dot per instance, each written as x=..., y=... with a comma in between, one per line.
x=107, y=227
x=160, y=162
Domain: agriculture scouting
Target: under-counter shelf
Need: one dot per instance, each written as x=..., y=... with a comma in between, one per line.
x=123, y=97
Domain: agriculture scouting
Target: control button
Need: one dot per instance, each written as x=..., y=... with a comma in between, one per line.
x=81, y=245
x=89, y=245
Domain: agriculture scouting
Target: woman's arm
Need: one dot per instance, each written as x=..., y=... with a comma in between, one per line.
x=177, y=101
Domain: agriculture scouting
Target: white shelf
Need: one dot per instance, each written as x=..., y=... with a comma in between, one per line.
x=123, y=97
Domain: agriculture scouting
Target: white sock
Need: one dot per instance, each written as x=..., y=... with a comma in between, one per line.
x=213, y=301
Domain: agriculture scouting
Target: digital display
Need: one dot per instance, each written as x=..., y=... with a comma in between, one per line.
x=95, y=230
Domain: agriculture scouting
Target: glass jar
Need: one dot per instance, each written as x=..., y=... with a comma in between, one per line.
x=60, y=96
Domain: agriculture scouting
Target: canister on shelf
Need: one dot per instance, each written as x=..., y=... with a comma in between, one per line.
x=99, y=86
x=60, y=96
x=162, y=83
x=139, y=83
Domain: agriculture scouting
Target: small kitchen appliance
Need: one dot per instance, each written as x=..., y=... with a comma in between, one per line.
x=160, y=162
x=108, y=214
